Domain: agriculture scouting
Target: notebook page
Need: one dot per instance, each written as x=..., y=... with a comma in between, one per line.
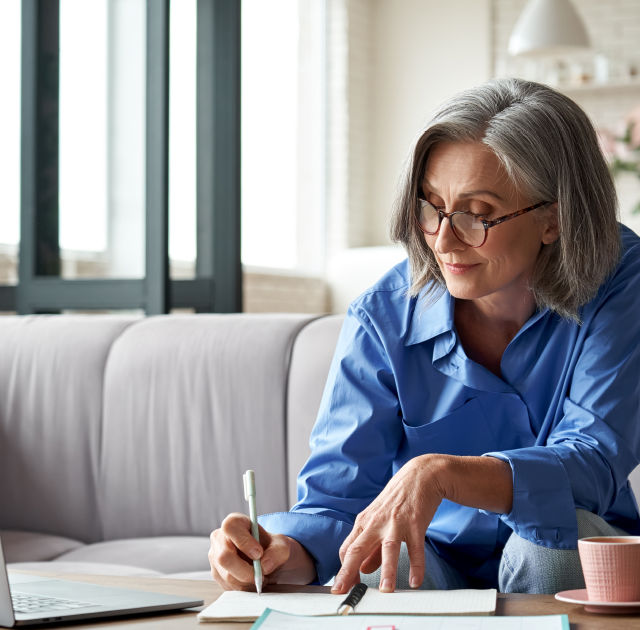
x=249, y=606
x=460, y=602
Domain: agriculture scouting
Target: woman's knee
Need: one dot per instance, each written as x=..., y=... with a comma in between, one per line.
x=529, y=568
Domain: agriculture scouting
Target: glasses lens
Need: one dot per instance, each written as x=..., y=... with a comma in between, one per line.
x=429, y=219
x=468, y=229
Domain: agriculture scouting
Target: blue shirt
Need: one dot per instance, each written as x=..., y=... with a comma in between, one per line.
x=565, y=415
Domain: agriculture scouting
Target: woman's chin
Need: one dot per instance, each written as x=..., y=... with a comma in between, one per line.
x=464, y=290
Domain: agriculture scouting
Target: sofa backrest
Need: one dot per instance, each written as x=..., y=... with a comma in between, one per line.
x=122, y=427
x=191, y=403
x=51, y=391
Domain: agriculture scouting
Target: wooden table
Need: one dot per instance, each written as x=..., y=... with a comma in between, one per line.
x=210, y=591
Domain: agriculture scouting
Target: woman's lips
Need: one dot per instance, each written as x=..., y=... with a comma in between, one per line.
x=457, y=269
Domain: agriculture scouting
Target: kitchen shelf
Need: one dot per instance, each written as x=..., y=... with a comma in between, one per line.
x=616, y=85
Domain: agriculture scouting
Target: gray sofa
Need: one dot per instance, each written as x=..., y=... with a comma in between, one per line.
x=123, y=440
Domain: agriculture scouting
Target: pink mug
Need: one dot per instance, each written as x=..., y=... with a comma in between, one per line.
x=611, y=567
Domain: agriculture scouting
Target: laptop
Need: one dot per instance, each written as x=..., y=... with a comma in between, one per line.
x=27, y=600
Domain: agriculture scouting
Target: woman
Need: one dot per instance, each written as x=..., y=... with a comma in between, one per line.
x=481, y=412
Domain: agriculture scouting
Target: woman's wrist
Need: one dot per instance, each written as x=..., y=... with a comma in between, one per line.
x=435, y=469
x=480, y=482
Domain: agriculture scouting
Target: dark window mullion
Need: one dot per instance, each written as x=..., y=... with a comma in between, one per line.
x=157, y=158
x=218, y=152
x=39, y=248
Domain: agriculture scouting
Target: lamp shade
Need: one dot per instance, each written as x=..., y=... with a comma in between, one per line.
x=548, y=27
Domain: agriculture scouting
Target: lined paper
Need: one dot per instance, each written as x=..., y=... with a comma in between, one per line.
x=241, y=606
x=459, y=602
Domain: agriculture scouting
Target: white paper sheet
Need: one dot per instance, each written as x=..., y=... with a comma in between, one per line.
x=459, y=602
x=237, y=605
x=249, y=606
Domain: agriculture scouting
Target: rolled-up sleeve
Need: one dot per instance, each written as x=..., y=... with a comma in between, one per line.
x=354, y=442
x=594, y=445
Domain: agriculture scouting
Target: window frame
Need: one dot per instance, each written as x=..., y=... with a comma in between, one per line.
x=218, y=283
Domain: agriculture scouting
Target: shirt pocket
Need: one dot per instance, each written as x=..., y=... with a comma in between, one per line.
x=464, y=431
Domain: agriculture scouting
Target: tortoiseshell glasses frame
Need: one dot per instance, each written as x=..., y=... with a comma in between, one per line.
x=474, y=219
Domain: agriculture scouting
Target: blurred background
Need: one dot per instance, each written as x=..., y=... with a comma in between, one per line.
x=271, y=191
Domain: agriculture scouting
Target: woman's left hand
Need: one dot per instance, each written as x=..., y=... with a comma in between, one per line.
x=401, y=513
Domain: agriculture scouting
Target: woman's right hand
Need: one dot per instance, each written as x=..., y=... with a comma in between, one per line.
x=233, y=549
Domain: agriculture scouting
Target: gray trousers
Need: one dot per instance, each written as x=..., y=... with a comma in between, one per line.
x=524, y=568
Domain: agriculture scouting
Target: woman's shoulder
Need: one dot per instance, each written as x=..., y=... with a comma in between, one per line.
x=619, y=295
x=630, y=243
x=629, y=266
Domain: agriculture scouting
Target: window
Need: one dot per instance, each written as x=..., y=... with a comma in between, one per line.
x=96, y=175
x=10, y=41
x=283, y=135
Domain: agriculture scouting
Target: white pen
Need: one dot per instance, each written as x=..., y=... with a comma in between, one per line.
x=249, y=480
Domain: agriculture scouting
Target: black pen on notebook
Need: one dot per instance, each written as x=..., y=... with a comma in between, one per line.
x=249, y=480
x=354, y=596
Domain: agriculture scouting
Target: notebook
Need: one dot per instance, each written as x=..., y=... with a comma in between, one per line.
x=241, y=606
x=271, y=620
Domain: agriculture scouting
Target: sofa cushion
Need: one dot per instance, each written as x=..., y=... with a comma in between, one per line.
x=313, y=351
x=84, y=568
x=170, y=554
x=32, y=547
x=51, y=380
x=192, y=402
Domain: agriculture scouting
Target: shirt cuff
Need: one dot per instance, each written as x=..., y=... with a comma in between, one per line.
x=543, y=510
x=320, y=535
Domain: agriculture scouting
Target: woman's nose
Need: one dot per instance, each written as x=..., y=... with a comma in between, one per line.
x=447, y=241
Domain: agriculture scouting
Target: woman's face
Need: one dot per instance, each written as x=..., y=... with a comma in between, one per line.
x=469, y=177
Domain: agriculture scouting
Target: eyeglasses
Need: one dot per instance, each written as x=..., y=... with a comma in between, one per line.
x=469, y=229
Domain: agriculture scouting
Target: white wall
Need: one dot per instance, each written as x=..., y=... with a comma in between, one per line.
x=423, y=52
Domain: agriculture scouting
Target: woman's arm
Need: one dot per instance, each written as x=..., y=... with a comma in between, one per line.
x=403, y=510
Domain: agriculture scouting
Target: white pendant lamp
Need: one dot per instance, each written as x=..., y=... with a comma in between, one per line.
x=548, y=27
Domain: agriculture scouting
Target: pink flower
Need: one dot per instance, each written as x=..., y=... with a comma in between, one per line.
x=633, y=118
x=607, y=142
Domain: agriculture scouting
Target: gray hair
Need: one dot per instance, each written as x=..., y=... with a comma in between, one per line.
x=550, y=150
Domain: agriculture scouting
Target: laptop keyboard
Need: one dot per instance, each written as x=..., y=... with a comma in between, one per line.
x=25, y=603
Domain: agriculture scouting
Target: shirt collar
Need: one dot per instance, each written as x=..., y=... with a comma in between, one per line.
x=428, y=322
x=431, y=321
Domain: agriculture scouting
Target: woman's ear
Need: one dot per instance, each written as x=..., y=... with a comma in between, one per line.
x=552, y=227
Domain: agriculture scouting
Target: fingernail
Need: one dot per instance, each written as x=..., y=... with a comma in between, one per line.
x=386, y=585
x=267, y=566
x=338, y=586
x=415, y=582
x=254, y=554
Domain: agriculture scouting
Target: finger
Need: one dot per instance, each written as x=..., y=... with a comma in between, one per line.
x=373, y=562
x=275, y=555
x=390, y=554
x=231, y=585
x=229, y=563
x=348, y=541
x=236, y=585
x=415, y=549
x=237, y=528
x=355, y=555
